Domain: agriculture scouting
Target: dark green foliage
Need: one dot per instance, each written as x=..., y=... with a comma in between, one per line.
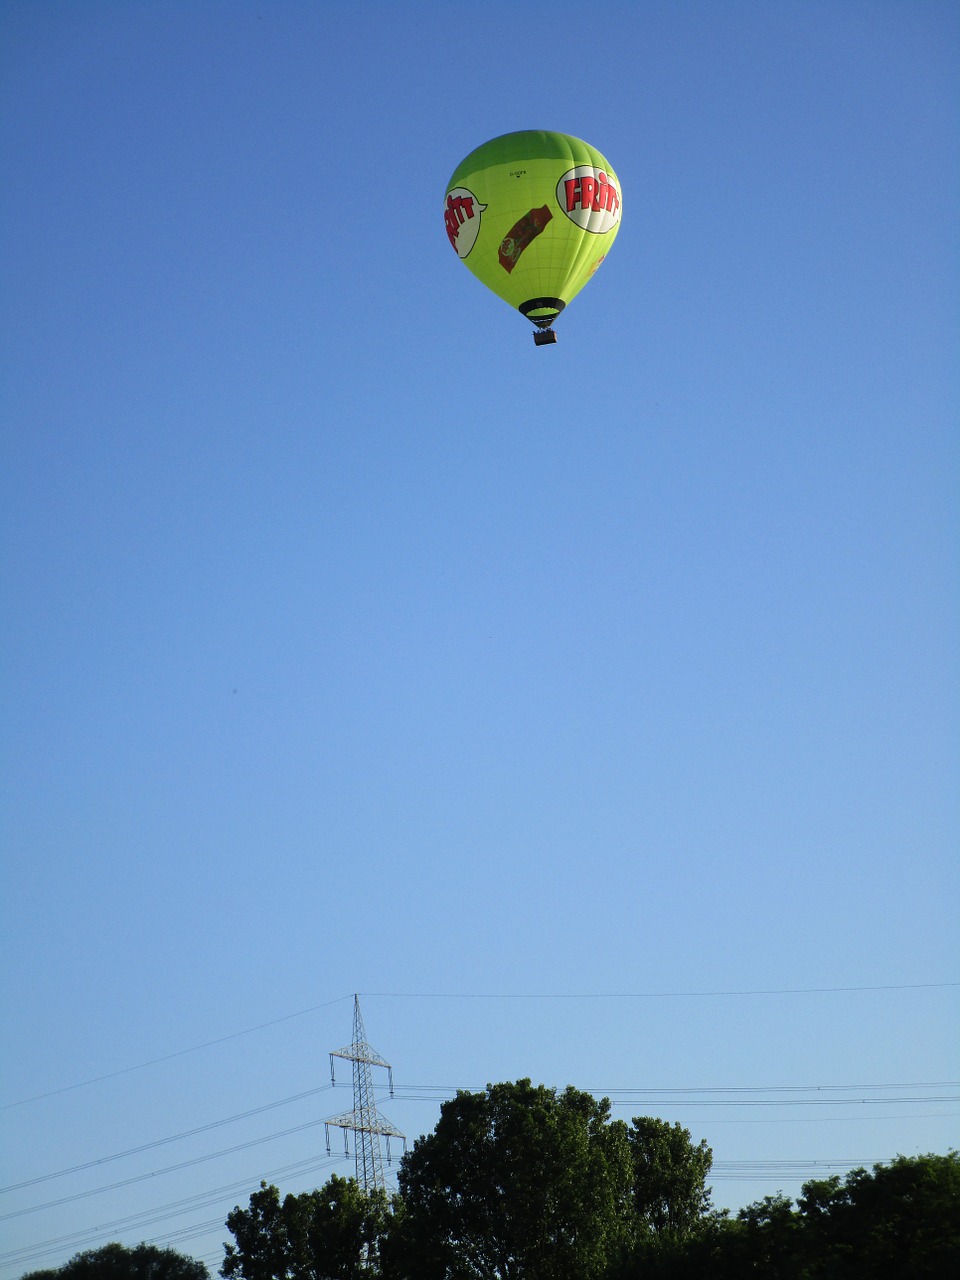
x=330, y=1234
x=516, y=1182
x=522, y=1182
x=899, y=1222
x=763, y=1240
x=670, y=1194
x=116, y=1262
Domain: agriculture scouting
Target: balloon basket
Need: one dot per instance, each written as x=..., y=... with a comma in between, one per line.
x=543, y=337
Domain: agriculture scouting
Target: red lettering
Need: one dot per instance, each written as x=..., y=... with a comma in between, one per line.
x=588, y=193
x=459, y=208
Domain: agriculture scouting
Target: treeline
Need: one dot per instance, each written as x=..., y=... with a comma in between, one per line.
x=522, y=1182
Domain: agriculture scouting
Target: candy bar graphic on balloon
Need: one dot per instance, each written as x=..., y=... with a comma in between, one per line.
x=520, y=234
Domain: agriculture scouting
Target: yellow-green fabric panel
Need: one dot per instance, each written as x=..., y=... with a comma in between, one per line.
x=512, y=178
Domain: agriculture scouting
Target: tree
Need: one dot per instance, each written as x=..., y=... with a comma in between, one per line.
x=670, y=1194
x=764, y=1240
x=900, y=1221
x=116, y=1262
x=330, y=1234
x=515, y=1183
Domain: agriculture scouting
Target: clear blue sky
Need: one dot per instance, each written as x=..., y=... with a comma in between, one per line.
x=352, y=643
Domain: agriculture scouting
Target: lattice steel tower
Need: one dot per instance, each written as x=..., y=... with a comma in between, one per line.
x=365, y=1121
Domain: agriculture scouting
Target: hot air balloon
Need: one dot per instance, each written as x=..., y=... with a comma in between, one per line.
x=533, y=214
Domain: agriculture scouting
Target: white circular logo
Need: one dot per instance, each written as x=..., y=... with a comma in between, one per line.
x=461, y=213
x=589, y=198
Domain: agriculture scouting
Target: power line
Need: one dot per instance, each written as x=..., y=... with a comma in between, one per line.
x=174, y=1209
x=744, y=1096
x=722, y=1170
x=710, y=1089
x=660, y=1096
x=639, y=1098
x=160, y=1142
x=168, y=1057
x=648, y=995
x=776, y=1102
x=474, y=995
x=711, y=1096
x=171, y=1168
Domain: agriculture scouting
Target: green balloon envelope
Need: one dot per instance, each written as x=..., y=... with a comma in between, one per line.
x=533, y=214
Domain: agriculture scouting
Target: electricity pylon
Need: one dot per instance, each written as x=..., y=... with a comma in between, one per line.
x=365, y=1121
